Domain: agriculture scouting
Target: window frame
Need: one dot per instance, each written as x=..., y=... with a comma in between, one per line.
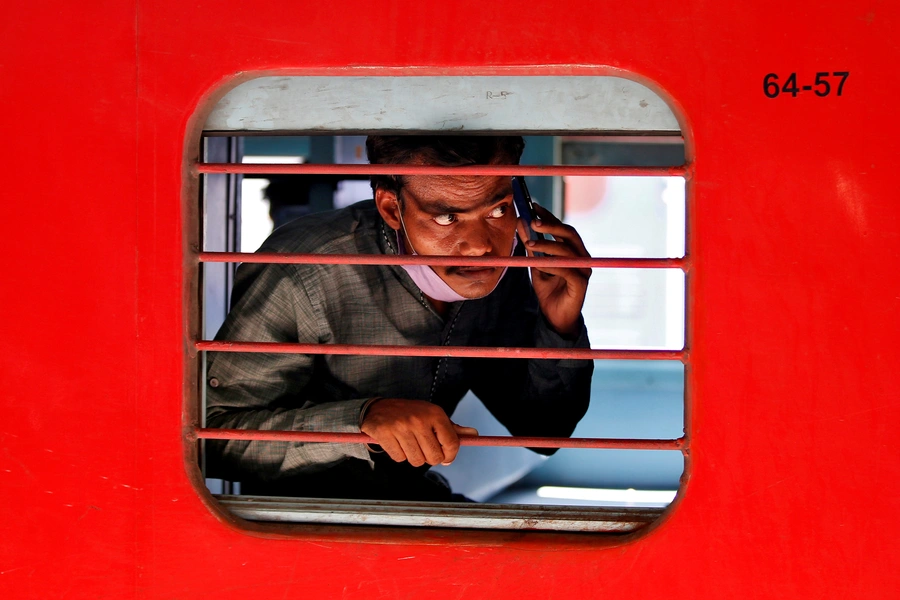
x=360, y=510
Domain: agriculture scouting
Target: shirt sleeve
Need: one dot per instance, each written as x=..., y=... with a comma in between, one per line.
x=534, y=397
x=273, y=391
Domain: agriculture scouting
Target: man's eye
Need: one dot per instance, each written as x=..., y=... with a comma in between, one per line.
x=498, y=211
x=445, y=219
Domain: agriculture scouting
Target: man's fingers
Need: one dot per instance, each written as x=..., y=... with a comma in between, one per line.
x=432, y=448
x=545, y=215
x=574, y=279
x=522, y=230
x=411, y=449
x=560, y=248
x=412, y=430
x=449, y=441
x=460, y=430
x=547, y=223
x=565, y=242
x=564, y=234
x=551, y=248
x=393, y=449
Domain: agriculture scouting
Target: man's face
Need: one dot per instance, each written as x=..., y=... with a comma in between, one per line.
x=456, y=216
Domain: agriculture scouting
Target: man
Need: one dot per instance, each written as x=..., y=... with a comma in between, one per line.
x=403, y=403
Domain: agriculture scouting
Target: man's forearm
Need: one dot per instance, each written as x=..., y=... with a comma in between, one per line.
x=266, y=461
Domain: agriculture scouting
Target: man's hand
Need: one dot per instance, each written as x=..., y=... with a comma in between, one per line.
x=414, y=431
x=560, y=292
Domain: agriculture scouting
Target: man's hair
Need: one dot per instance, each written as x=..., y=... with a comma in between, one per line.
x=440, y=151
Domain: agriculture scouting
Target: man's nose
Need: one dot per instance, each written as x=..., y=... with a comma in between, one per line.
x=476, y=241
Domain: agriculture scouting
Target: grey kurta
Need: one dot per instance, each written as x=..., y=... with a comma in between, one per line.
x=359, y=304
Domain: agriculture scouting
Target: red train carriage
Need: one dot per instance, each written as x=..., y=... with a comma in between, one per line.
x=781, y=346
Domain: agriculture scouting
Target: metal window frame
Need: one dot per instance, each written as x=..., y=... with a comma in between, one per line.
x=553, y=518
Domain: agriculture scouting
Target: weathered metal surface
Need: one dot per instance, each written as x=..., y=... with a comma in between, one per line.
x=488, y=261
x=438, y=103
x=484, y=440
x=438, y=351
x=439, y=514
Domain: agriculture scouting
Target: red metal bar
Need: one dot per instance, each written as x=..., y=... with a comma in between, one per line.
x=489, y=170
x=461, y=261
x=438, y=351
x=465, y=440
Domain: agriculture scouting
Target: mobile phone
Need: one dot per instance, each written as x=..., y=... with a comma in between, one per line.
x=525, y=208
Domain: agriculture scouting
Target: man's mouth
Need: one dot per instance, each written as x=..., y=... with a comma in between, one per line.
x=473, y=273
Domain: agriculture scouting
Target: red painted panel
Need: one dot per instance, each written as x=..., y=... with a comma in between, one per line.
x=795, y=240
x=68, y=324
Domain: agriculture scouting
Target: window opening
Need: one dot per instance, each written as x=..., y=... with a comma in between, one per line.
x=653, y=299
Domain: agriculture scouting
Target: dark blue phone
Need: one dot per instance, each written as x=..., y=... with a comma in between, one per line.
x=525, y=208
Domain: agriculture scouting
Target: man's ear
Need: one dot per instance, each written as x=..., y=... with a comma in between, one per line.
x=388, y=207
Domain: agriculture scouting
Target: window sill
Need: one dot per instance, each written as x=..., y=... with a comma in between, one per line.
x=440, y=514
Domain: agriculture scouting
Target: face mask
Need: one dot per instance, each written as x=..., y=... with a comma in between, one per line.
x=430, y=282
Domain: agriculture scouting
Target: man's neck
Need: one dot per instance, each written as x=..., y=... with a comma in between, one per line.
x=439, y=306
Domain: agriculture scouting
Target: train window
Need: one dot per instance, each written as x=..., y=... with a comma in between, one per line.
x=604, y=154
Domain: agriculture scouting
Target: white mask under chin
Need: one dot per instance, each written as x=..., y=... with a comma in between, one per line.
x=431, y=283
